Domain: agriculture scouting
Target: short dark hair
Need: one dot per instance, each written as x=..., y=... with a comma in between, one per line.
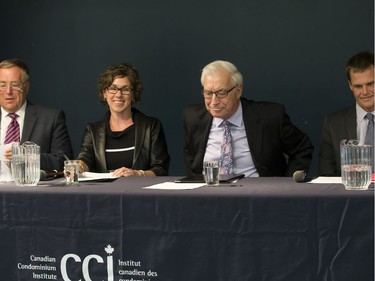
x=17, y=63
x=359, y=62
x=120, y=70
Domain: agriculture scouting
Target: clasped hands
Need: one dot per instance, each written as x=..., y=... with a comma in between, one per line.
x=120, y=172
x=126, y=172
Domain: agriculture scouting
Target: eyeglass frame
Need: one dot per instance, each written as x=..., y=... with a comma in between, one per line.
x=15, y=85
x=224, y=95
x=128, y=90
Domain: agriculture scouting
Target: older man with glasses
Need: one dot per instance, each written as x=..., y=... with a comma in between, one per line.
x=244, y=136
x=23, y=121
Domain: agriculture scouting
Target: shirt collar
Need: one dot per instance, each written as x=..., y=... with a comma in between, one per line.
x=361, y=113
x=235, y=119
x=20, y=112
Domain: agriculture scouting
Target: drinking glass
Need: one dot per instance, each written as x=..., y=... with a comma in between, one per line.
x=211, y=173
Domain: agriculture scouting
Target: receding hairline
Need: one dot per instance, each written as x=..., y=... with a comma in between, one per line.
x=17, y=63
x=222, y=66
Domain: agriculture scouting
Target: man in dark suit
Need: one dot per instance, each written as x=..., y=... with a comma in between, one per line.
x=41, y=125
x=264, y=141
x=351, y=122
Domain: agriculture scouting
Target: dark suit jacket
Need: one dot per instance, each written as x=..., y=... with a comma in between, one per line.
x=150, y=151
x=270, y=134
x=336, y=127
x=46, y=127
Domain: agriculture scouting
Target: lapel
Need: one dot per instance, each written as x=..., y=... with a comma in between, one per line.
x=100, y=135
x=206, y=119
x=202, y=132
x=140, y=131
x=252, y=122
x=31, y=117
x=351, y=123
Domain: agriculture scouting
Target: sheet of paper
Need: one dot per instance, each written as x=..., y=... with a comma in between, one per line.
x=326, y=180
x=90, y=176
x=175, y=186
x=5, y=175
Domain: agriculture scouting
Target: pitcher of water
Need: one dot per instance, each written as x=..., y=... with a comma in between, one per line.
x=356, y=161
x=25, y=163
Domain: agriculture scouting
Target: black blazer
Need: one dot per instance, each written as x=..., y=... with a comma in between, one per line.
x=271, y=136
x=46, y=127
x=150, y=151
x=336, y=127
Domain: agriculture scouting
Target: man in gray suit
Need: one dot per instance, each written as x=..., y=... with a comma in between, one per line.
x=351, y=122
x=264, y=140
x=41, y=125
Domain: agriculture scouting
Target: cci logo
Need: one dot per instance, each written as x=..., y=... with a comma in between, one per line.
x=85, y=264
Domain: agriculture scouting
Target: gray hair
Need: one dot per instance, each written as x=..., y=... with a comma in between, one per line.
x=25, y=73
x=220, y=65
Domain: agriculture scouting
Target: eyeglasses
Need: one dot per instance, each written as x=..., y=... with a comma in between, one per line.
x=126, y=90
x=15, y=85
x=222, y=93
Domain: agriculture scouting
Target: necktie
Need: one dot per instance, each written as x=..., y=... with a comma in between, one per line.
x=226, y=157
x=369, y=139
x=13, y=131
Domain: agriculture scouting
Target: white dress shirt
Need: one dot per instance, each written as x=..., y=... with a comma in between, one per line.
x=5, y=175
x=243, y=162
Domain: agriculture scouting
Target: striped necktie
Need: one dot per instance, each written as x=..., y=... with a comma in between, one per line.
x=13, y=131
x=226, y=157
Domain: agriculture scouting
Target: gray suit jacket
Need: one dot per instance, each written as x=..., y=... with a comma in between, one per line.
x=150, y=151
x=46, y=127
x=270, y=135
x=336, y=127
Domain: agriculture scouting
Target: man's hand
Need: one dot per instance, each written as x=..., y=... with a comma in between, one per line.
x=8, y=153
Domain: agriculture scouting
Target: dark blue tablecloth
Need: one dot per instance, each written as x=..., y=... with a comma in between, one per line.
x=258, y=229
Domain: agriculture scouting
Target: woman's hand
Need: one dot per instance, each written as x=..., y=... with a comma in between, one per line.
x=126, y=172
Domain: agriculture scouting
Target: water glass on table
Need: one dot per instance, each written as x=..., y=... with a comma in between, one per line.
x=211, y=173
x=71, y=171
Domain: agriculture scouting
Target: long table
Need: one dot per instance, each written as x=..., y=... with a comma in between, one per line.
x=257, y=229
